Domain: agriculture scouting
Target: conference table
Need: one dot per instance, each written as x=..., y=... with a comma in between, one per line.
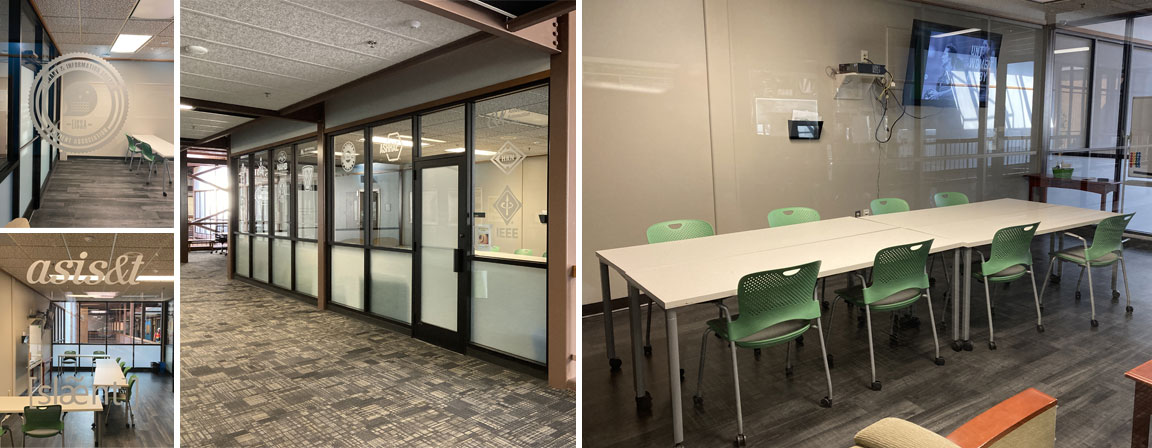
x=110, y=377
x=163, y=149
x=68, y=403
x=684, y=273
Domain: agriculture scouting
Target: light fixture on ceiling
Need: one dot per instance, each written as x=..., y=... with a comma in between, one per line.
x=187, y=107
x=155, y=278
x=80, y=278
x=479, y=152
x=1070, y=50
x=129, y=43
x=195, y=50
x=154, y=10
x=414, y=24
x=1045, y=1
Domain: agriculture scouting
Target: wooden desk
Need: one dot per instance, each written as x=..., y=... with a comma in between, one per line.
x=1142, y=404
x=1043, y=182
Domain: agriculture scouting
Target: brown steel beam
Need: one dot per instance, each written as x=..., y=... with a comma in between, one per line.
x=323, y=262
x=228, y=109
x=563, y=253
x=549, y=12
x=541, y=36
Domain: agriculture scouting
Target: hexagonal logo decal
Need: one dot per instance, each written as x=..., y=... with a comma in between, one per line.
x=507, y=158
x=507, y=205
x=392, y=148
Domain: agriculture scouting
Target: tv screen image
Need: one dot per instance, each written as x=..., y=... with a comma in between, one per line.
x=946, y=62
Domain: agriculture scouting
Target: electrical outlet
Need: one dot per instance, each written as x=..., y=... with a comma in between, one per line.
x=866, y=212
x=863, y=55
x=858, y=213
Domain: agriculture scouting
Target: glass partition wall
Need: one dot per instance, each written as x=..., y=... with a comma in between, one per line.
x=437, y=221
x=132, y=331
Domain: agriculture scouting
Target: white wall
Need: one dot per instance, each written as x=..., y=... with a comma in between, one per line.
x=17, y=301
x=150, y=100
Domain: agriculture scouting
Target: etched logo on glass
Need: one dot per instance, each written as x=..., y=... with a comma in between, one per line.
x=95, y=107
x=348, y=156
x=507, y=205
x=392, y=148
x=507, y=158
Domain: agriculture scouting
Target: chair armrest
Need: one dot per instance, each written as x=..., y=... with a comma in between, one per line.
x=1082, y=240
x=999, y=421
x=897, y=433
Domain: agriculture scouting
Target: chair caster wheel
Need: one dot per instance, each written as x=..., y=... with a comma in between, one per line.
x=874, y=386
x=1095, y=323
x=788, y=372
x=740, y=440
x=644, y=403
x=614, y=364
x=647, y=350
x=698, y=401
x=991, y=345
x=967, y=346
x=825, y=306
x=1115, y=295
x=1041, y=308
x=756, y=352
x=957, y=346
x=1128, y=309
x=681, y=375
x=830, y=363
x=1040, y=328
x=1077, y=295
x=939, y=361
x=165, y=194
x=825, y=402
x=800, y=341
x=1054, y=279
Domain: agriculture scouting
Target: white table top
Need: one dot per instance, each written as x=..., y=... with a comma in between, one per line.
x=976, y=224
x=729, y=245
x=159, y=145
x=686, y=284
x=108, y=374
x=69, y=403
x=480, y=256
x=967, y=212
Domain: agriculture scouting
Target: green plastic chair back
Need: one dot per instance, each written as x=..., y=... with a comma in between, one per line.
x=792, y=215
x=949, y=199
x=1108, y=235
x=771, y=297
x=118, y=360
x=40, y=421
x=898, y=268
x=523, y=252
x=69, y=359
x=122, y=364
x=884, y=206
x=146, y=151
x=126, y=393
x=680, y=229
x=1011, y=246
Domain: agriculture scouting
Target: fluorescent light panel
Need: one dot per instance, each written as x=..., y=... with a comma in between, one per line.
x=1070, y=50
x=479, y=152
x=186, y=107
x=154, y=10
x=129, y=43
x=956, y=33
x=155, y=278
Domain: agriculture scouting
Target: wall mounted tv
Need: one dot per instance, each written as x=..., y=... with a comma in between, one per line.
x=946, y=62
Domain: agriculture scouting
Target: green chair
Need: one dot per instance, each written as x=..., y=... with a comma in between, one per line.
x=42, y=422
x=663, y=232
x=493, y=248
x=1011, y=259
x=126, y=368
x=899, y=279
x=130, y=156
x=884, y=206
x=523, y=252
x=776, y=307
x=5, y=431
x=125, y=397
x=949, y=199
x=149, y=155
x=70, y=361
x=97, y=352
x=792, y=215
x=1107, y=248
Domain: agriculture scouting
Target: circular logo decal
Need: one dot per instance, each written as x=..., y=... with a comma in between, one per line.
x=93, y=112
x=282, y=157
x=348, y=156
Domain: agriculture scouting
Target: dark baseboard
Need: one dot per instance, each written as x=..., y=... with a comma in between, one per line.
x=508, y=361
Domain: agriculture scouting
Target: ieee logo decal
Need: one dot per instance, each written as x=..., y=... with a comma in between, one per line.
x=507, y=158
x=348, y=156
x=507, y=205
x=392, y=148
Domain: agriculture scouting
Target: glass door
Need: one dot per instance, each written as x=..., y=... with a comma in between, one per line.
x=440, y=314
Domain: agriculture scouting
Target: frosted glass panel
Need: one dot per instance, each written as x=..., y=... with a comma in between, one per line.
x=124, y=352
x=307, y=272
x=45, y=162
x=439, y=214
x=25, y=178
x=90, y=350
x=242, y=253
x=260, y=258
x=392, y=284
x=59, y=349
x=282, y=263
x=146, y=355
x=348, y=276
x=509, y=309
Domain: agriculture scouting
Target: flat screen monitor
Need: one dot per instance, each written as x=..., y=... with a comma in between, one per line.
x=948, y=65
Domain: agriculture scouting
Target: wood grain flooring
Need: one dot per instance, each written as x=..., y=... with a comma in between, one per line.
x=1082, y=367
x=84, y=192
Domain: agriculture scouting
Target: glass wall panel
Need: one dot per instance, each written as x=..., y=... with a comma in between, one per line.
x=89, y=363
x=242, y=184
x=348, y=188
x=510, y=185
x=509, y=309
x=26, y=132
x=149, y=321
x=307, y=272
x=392, y=284
x=348, y=276
x=282, y=190
x=1138, y=181
x=145, y=355
x=282, y=263
x=261, y=166
x=1106, y=97
x=45, y=161
x=260, y=258
x=93, y=323
x=442, y=132
x=124, y=352
x=392, y=184
x=439, y=229
x=1071, y=62
x=307, y=178
x=120, y=323
x=242, y=254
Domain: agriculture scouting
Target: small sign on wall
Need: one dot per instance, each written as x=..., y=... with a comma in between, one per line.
x=483, y=237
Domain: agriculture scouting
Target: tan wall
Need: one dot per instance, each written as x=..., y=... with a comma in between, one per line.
x=16, y=303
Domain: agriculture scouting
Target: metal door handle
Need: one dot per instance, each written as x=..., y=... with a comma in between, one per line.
x=457, y=260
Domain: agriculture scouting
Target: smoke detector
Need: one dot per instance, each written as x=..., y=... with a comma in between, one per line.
x=195, y=50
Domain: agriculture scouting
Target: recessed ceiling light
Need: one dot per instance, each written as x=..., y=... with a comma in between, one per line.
x=186, y=107
x=129, y=43
x=195, y=50
x=154, y=9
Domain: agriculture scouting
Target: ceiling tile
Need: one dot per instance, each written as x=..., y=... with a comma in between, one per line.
x=147, y=27
x=59, y=8
x=106, y=9
x=68, y=38
x=57, y=25
x=101, y=26
x=99, y=39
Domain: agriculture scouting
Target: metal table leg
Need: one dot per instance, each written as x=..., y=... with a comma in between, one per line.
x=643, y=398
x=967, y=297
x=609, y=335
x=956, y=344
x=674, y=376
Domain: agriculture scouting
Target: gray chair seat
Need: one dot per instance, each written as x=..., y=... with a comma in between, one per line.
x=1012, y=271
x=1076, y=255
x=720, y=326
x=855, y=294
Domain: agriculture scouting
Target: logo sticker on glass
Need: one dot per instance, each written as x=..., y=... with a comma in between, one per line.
x=507, y=158
x=94, y=108
x=282, y=162
x=348, y=156
x=307, y=174
x=392, y=148
x=507, y=205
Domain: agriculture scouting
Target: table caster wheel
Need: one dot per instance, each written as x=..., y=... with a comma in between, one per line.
x=800, y=341
x=647, y=350
x=1095, y=323
x=698, y=401
x=1054, y=279
x=681, y=375
x=740, y=440
x=874, y=386
x=825, y=402
x=788, y=372
x=1128, y=309
x=614, y=364
x=825, y=306
x=1040, y=328
x=939, y=361
x=1115, y=295
x=931, y=282
x=830, y=363
x=991, y=345
x=756, y=352
x=967, y=346
x=957, y=346
x=1077, y=295
x=644, y=403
